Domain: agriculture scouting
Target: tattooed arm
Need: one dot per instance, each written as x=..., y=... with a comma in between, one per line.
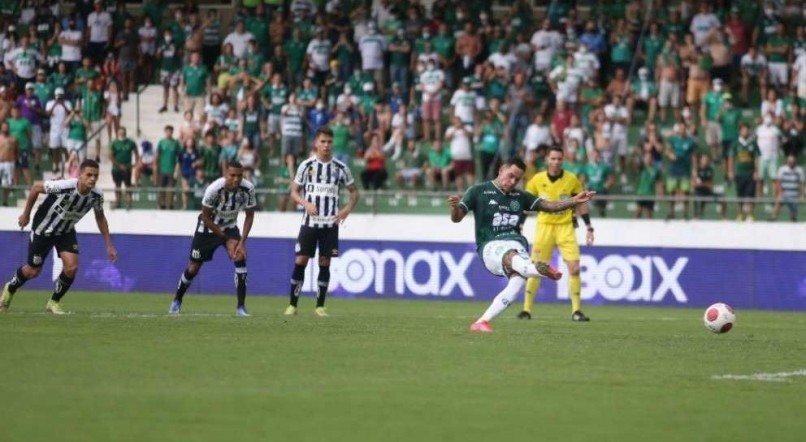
x=559, y=206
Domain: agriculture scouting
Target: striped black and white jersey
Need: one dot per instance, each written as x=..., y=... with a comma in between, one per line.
x=226, y=204
x=64, y=206
x=319, y=182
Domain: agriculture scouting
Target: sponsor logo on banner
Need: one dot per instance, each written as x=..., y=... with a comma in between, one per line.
x=420, y=272
x=629, y=278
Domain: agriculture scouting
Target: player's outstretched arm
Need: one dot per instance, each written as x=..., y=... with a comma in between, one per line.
x=25, y=218
x=559, y=206
x=457, y=213
x=103, y=227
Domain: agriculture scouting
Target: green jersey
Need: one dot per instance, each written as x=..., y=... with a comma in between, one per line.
x=729, y=119
x=60, y=80
x=597, y=174
x=77, y=130
x=168, y=150
x=251, y=122
x=341, y=138
x=279, y=95
x=20, y=129
x=295, y=51
x=444, y=45
x=210, y=163
x=195, y=78
x=498, y=215
x=574, y=167
x=92, y=105
x=652, y=46
x=621, y=51
x=744, y=153
x=650, y=175
x=254, y=62
x=491, y=136
x=399, y=58
x=713, y=102
x=169, y=57
x=123, y=150
x=259, y=29
x=778, y=43
x=44, y=92
x=441, y=159
x=683, y=148
x=85, y=76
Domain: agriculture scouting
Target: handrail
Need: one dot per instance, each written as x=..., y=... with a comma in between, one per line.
x=140, y=90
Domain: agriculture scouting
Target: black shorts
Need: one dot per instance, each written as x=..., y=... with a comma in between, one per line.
x=647, y=204
x=167, y=181
x=745, y=186
x=327, y=238
x=205, y=242
x=23, y=160
x=122, y=177
x=40, y=245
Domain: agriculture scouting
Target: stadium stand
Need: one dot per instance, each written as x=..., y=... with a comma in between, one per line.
x=426, y=84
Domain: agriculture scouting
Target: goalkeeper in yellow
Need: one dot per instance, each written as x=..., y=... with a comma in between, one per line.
x=557, y=230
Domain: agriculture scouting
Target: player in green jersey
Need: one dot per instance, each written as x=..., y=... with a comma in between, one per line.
x=497, y=208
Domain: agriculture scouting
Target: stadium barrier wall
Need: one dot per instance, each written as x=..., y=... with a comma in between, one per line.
x=749, y=265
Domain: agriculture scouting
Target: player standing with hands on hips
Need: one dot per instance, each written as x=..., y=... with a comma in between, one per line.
x=66, y=203
x=217, y=226
x=316, y=188
x=498, y=207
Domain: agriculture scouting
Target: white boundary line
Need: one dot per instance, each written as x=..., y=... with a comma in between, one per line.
x=764, y=377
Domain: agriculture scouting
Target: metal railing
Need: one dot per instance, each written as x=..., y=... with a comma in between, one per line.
x=435, y=202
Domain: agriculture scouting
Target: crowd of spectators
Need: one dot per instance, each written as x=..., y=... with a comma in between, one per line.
x=647, y=97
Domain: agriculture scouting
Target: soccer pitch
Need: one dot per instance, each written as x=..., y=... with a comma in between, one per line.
x=120, y=369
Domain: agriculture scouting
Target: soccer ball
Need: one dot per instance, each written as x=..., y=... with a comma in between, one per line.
x=719, y=318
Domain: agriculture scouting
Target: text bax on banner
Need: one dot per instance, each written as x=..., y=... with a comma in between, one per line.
x=442, y=271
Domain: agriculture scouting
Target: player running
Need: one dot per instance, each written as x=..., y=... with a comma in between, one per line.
x=497, y=208
x=217, y=226
x=66, y=203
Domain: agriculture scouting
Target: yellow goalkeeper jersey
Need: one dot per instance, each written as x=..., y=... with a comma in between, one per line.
x=560, y=189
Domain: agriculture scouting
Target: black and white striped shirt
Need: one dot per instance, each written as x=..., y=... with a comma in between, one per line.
x=64, y=206
x=226, y=204
x=319, y=182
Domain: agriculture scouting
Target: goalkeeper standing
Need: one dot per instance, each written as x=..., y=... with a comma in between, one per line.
x=557, y=230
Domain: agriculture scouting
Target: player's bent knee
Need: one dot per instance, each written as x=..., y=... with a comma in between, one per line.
x=324, y=261
x=507, y=261
x=573, y=267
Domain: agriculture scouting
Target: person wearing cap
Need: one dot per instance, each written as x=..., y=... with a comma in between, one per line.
x=32, y=110
x=58, y=109
x=709, y=109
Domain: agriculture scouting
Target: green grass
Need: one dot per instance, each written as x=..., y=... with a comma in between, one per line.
x=120, y=369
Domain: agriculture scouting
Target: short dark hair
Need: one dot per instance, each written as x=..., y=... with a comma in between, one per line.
x=88, y=163
x=515, y=161
x=234, y=163
x=324, y=131
x=169, y=127
x=556, y=148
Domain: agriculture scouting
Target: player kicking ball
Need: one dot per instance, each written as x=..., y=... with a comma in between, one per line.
x=54, y=223
x=497, y=208
x=223, y=200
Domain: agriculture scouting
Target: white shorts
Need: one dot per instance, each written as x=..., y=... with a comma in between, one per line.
x=95, y=127
x=73, y=144
x=274, y=124
x=618, y=142
x=169, y=78
x=36, y=136
x=669, y=94
x=768, y=168
x=779, y=73
x=57, y=139
x=6, y=173
x=493, y=254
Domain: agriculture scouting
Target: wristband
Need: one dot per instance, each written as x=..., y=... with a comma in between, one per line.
x=587, y=218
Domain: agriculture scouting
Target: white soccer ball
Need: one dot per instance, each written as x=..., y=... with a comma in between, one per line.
x=719, y=318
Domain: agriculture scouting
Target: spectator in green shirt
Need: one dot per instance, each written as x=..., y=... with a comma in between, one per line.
x=20, y=129
x=439, y=167
x=729, y=118
x=649, y=184
x=743, y=169
x=121, y=152
x=168, y=150
x=195, y=81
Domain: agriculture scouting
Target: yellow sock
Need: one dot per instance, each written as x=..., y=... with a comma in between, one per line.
x=532, y=285
x=574, y=289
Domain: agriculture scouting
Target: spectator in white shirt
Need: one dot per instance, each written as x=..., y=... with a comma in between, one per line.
x=768, y=138
x=618, y=118
x=464, y=103
x=71, y=41
x=373, y=50
x=318, y=55
x=703, y=23
x=538, y=133
x=461, y=154
x=99, y=28
x=239, y=39
x=586, y=62
x=431, y=83
x=546, y=38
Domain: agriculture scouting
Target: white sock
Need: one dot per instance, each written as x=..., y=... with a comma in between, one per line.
x=524, y=267
x=507, y=296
